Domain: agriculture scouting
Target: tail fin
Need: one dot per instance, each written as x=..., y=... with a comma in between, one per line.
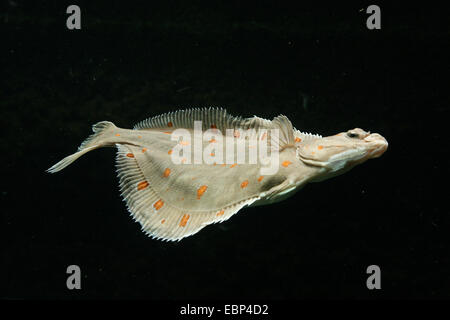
x=92, y=142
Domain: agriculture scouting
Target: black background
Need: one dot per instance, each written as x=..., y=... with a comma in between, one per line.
x=320, y=66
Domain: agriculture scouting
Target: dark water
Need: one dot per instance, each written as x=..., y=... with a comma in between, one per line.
x=319, y=66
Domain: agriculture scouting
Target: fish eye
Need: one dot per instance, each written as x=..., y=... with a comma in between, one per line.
x=352, y=135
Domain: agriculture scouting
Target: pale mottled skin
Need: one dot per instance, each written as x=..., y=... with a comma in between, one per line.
x=172, y=201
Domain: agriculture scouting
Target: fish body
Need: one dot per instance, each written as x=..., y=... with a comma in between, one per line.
x=184, y=170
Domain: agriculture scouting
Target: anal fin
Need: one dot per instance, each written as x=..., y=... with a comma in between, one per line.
x=159, y=218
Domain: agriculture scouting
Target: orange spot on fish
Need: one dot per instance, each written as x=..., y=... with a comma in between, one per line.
x=167, y=132
x=313, y=152
x=142, y=185
x=220, y=213
x=264, y=136
x=184, y=220
x=158, y=204
x=286, y=163
x=183, y=160
x=166, y=173
x=144, y=149
x=170, y=151
x=320, y=147
x=233, y=165
x=182, y=199
x=184, y=143
x=244, y=184
x=201, y=191
x=117, y=134
x=130, y=155
x=260, y=178
x=163, y=220
x=212, y=154
x=212, y=140
x=298, y=139
x=170, y=124
x=140, y=137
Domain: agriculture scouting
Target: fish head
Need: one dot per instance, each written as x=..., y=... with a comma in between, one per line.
x=338, y=153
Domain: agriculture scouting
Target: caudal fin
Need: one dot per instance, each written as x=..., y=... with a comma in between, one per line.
x=94, y=141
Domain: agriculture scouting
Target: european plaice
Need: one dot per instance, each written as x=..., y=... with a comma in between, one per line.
x=181, y=171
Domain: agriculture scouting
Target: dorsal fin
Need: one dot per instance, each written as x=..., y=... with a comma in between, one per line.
x=305, y=136
x=210, y=117
x=220, y=119
x=286, y=130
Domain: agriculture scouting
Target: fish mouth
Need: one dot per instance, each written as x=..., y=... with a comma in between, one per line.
x=377, y=145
